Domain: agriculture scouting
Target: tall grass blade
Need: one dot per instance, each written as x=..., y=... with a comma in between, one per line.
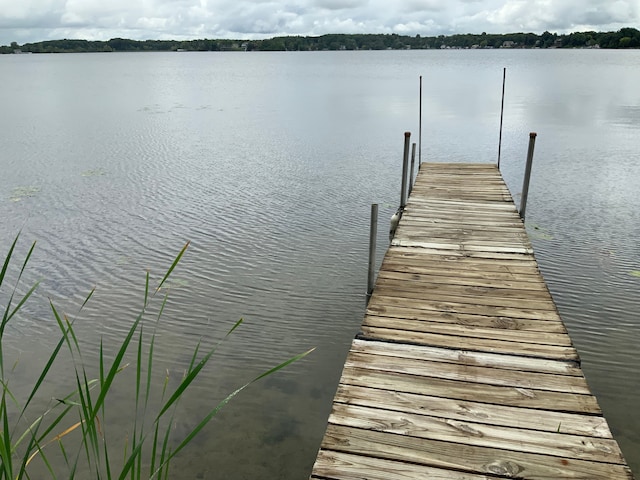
x=173, y=265
x=7, y=259
x=193, y=372
x=43, y=375
x=226, y=400
x=5, y=440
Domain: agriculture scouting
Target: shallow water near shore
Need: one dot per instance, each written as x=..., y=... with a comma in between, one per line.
x=267, y=164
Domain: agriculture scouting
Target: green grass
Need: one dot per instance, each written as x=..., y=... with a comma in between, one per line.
x=73, y=428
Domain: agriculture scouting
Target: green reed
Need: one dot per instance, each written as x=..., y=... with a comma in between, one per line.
x=76, y=422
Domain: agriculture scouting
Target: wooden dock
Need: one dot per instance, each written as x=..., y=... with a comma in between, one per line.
x=464, y=369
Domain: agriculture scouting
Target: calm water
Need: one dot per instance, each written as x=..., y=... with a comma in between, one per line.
x=267, y=164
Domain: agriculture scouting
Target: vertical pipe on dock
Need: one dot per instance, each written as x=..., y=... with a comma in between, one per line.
x=504, y=78
x=527, y=175
x=405, y=168
x=373, y=233
x=413, y=163
x=420, y=127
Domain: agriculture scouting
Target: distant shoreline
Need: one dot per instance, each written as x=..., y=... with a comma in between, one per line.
x=622, y=39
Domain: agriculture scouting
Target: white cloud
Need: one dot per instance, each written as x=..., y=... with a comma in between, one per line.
x=35, y=20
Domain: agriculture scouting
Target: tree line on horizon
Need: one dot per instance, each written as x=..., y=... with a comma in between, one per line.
x=623, y=38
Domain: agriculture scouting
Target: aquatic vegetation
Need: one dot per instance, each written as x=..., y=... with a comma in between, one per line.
x=19, y=193
x=536, y=232
x=75, y=423
x=94, y=173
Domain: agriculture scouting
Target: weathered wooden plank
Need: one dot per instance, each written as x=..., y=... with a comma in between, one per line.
x=427, y=202
x=491, y=414
x=457, y=296
x=466, y=231
x=332, y=465
x=471, y=391
x=458, y=267
x=500, y=256
x=523, y=264
x=459, y=209
x=407, y=242
x=467, y=458
x=471, y=320
x=464, y=241
x=461, y=356
x=424, y=204
x=464, y=307
x=435, y=177
x=416, y=212
x=463, y=278
x=444, y=340
x=458, y=330
x=501, y=234
x=469, y=373
x=450, y=189
x=463, y=289
x=473, y=433
x=441, y=337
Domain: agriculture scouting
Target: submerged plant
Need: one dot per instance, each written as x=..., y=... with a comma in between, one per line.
x=79, y=416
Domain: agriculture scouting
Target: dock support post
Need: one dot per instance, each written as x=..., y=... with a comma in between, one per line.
x=413, y=163
x=405, y=168
x=527, y=175
x=504, y=78
x=373, y=233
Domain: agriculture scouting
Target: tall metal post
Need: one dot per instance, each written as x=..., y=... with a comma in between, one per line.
x=405, y=168
x=527, y=175
x=420, y=128
x=413, y=163
x=504, y=78
x=373, y=233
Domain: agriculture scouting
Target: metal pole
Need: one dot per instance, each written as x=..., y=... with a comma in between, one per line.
x=527, y=175
x=504, y=79
x=413, y=163
x=420, y=128
x=373, y=233
x=405, y=167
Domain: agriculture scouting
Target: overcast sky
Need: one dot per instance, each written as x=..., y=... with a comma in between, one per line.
x=36, y=20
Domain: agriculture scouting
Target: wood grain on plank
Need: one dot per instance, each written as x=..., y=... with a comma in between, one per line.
x=473, y=433
x=491, y=414
x=332, y=465
x=471, y=320
x=468, y=458
x=471, y=391
x=462, y=305
x=461, y=356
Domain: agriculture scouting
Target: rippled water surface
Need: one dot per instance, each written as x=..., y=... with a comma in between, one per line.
x=267, y=163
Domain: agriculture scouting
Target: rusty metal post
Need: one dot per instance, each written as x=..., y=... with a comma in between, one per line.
x=504, y=78
x=420, y=127
x=413, y=163
x=405, y=168
x=527, y=175
x=373, y=234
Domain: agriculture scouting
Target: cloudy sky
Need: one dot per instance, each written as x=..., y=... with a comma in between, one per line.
x=35, y=20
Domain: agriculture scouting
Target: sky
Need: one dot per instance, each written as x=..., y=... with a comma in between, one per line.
x=26, y=21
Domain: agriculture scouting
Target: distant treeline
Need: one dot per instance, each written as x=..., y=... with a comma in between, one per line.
x=623, y=38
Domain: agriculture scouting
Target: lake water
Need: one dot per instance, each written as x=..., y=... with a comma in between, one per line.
x=267, y=164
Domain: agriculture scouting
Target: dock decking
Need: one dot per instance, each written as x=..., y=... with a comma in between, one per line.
x=463, y=369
